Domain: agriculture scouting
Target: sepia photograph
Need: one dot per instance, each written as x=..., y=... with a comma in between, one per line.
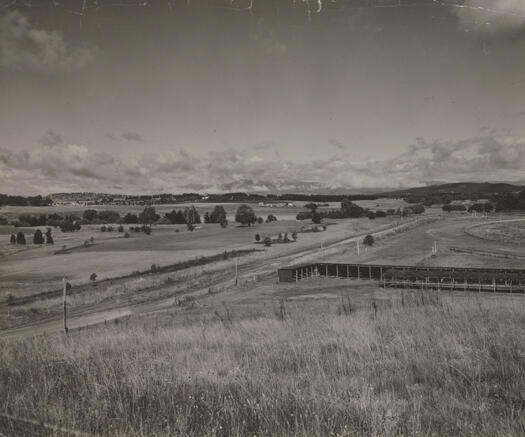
x=248, y=218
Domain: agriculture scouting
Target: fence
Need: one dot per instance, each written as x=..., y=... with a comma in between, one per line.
x=438, y=278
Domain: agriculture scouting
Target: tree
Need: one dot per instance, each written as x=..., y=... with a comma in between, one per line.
x=311, y=206
x=224, y=224
x=103, y=228
x=260, y=220
x=49, y=237
x=20, y=238
x=271, y=218
x=351, y=210
x=206, y=217
x=148, y=216
x=245, y=215
x=368, y=240
x=257, y=237
x=13, y=239
x=294, y=236
x=90, y=215
x=267, y=241
x=93, y=277
x=120, y=228
x=109, y=216
x=316, y=218
x=130, y=218
x=190, y=227
x=38, y=238
x=192, y=216
x=218, y=215
x=418, y=208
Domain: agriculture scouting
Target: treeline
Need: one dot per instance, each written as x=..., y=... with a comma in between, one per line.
x=6, y=200
x=66, y=223
x=38, y=238
x=500, y=202
x=351, y=210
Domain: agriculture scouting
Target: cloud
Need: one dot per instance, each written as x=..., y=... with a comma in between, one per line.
x=71, y=167
x=490, y=17
x=337, y=143
x=50, y=138
x=26, y=48
x=132, y=136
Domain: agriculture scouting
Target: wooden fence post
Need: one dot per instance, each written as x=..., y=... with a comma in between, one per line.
x=64, y=284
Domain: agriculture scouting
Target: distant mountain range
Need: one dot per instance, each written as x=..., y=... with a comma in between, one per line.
x=479, y=188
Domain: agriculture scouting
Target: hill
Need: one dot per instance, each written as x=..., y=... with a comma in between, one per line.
x=465, y=188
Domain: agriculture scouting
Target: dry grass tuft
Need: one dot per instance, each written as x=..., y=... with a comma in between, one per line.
x=425, y=366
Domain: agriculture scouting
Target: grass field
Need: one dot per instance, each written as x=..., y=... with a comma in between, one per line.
x=424, y=365
x=318, y=357
x=33, y=269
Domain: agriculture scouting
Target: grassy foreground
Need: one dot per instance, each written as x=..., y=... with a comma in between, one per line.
x=424, y=366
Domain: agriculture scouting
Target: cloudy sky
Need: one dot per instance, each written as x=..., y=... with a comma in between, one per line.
x=262, y=95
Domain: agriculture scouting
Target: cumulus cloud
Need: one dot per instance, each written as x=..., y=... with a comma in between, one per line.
x=76, y=168
x=26, y=48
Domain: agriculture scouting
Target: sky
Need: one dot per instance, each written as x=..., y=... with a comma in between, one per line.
x=152, y=96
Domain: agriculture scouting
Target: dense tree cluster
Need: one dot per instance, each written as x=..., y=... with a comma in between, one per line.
x=68, y=223
x=184, y=217
x=510, y=201
x=24, y=201
x=450, y=207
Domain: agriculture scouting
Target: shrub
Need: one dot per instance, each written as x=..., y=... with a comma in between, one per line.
x=257, y=237
x=147, y=230
x=13, y=239
x=154, y=268
x=260, y=220
x=267, y=241
x=294, y=236
x=93, y=277
x=368, y=240
x=371, y=215
x=120, y=228
x=86, y=243
x=110, y=228
x=271, y=218
x=190, y=227
x=380, y=213
x=92, y=240
x=103, y=228
x=126, y=235
x=224, y=224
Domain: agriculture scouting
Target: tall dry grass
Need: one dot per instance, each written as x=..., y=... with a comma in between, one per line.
x=420, y=367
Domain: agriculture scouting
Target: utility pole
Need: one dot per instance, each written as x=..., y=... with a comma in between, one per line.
x=236, y=271
x=357, y=247
x=64, y=284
